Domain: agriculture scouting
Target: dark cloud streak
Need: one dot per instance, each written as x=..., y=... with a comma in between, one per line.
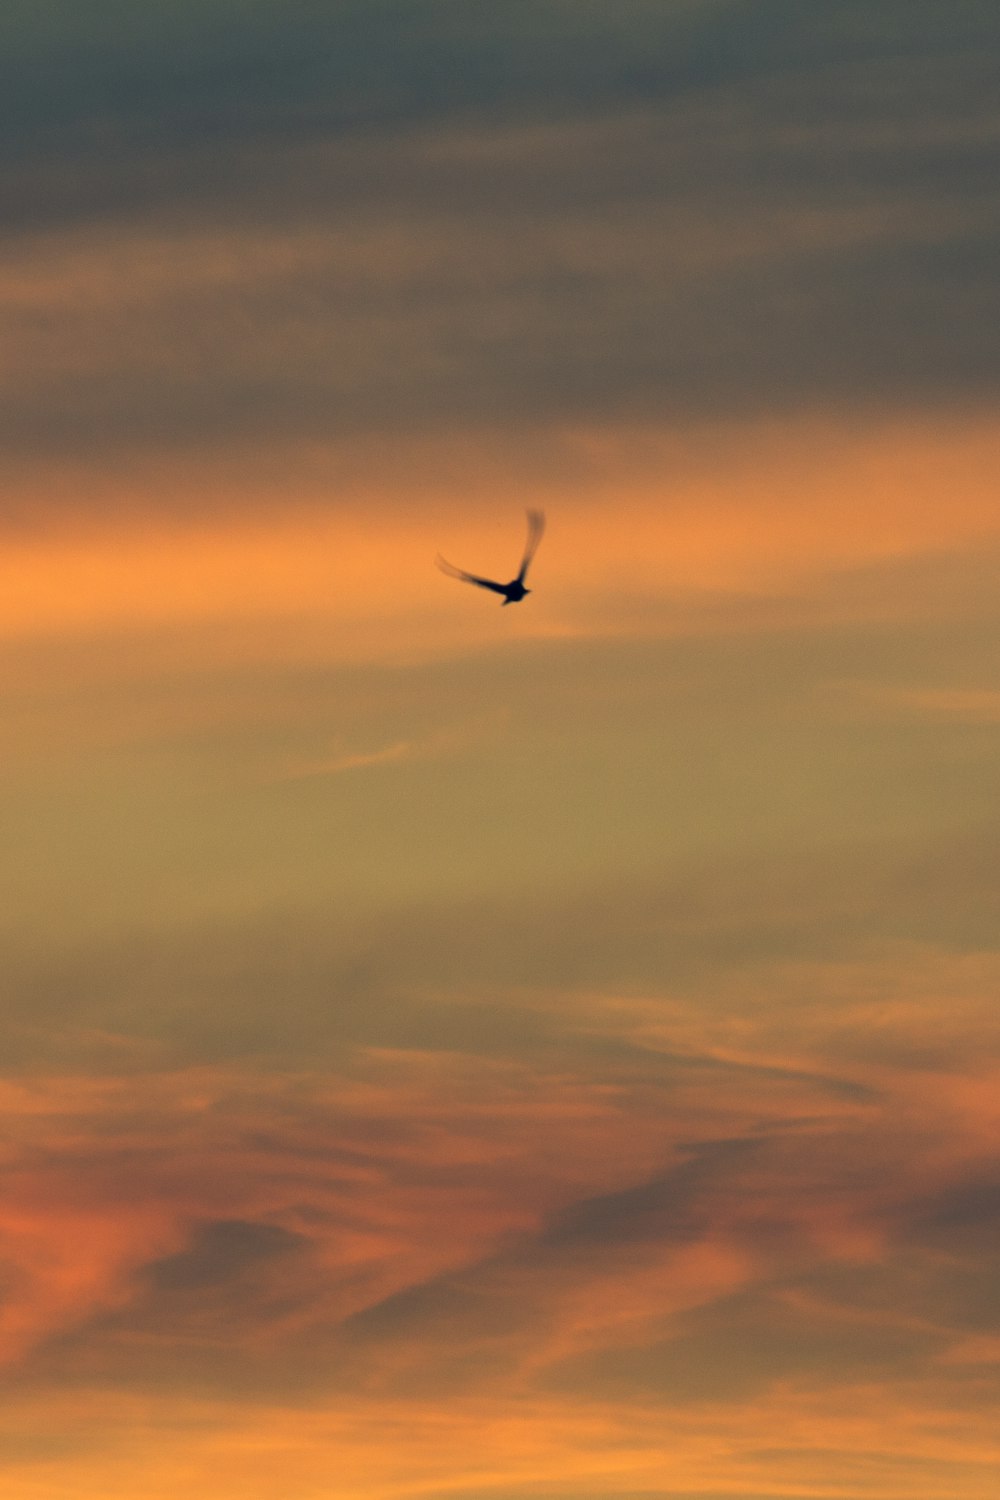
x=538, y=214
x=196, y=69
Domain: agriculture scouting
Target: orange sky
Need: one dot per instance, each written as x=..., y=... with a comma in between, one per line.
x=491, y=1054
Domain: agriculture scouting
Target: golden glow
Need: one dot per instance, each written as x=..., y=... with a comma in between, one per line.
x=772, y=511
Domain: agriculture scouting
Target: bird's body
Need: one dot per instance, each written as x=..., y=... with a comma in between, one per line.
x=514, y=591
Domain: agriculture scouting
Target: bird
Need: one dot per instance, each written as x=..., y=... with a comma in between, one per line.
x=514, y=591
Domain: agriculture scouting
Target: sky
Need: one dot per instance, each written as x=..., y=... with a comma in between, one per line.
x=453, y=1052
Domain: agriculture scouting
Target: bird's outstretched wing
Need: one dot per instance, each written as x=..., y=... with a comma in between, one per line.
x=536, y=525
x=483, y=583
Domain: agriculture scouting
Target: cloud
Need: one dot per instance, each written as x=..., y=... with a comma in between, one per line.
x=743, y=1345
x=529, y=976
x=445, y=742
x=705, y=213
x=963, y=705
x=185, y=71
x=538, y=1203
x=403, y=750
x=414, y=317
x=221, y=1250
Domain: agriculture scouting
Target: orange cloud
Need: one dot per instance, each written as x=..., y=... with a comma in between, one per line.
x=702, y=1256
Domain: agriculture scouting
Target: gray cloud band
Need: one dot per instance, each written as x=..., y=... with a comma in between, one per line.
x=773, y=212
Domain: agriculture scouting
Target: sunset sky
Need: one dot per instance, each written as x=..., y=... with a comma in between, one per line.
x=454, y=1052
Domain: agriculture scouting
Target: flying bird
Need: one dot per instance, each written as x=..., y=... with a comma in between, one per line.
x=515, y=590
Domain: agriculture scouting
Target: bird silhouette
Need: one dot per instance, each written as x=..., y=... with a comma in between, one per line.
x=515, y=590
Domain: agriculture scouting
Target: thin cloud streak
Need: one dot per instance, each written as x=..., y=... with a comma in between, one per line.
x=445, y=742
x=403, y=750
x=962, y=705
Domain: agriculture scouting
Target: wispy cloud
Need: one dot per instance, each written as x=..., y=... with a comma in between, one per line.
x=388, y=755
x=581, y=1235
x=442, y=742
x=958, y=705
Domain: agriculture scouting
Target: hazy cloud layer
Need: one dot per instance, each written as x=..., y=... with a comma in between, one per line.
x=309, y=227
x=218, y=62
